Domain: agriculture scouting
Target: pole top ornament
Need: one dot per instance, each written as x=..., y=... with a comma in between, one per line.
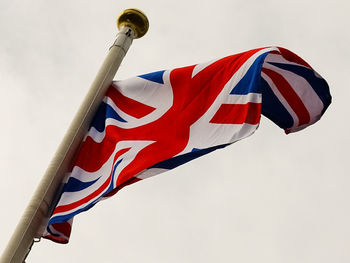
x=135, y=19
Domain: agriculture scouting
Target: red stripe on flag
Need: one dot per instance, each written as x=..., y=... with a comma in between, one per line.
x=57, y=239
x=238, y=114
x=290, y=95
x=128, y=105
x=93, y=155
x=64, y=228
x=290, y=56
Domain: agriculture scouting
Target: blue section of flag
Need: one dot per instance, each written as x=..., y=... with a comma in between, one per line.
x=65, y=218
x=181, y=159
x=75, y=185
x=154, y=76
x=318, y=84
x=250, y=82
x=273, y=109
x=104, y=112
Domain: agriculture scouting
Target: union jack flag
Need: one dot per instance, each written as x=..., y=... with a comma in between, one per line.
x=155, y=122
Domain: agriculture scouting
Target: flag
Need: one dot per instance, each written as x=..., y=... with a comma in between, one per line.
x=155, y=122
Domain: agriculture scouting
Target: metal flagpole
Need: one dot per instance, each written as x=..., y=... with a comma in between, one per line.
x=132, y=24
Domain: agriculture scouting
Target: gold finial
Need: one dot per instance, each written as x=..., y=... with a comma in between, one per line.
x=135, y=19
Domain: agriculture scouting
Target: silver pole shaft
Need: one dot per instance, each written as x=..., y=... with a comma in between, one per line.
x=36, y=213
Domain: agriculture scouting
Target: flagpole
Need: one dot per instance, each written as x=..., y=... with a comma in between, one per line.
x=132, y=24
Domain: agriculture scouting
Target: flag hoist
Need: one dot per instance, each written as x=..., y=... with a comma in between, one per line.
x=132, y=24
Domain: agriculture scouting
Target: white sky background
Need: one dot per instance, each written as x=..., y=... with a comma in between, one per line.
x=269, y=198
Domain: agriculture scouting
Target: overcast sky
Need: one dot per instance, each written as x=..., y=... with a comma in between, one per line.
x=269, y=198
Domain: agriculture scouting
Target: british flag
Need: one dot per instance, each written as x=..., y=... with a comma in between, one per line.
x=155, y=122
